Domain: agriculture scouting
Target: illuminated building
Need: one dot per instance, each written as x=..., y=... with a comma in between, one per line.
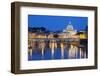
x=70, y=30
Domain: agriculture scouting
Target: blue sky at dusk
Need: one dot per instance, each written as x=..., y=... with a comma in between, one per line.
x=57, y=23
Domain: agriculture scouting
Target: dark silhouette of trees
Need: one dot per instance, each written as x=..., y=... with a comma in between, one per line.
x=86, y=29
x=55, y=35
x=41, y=30
x=30, y=29
x=37, y=29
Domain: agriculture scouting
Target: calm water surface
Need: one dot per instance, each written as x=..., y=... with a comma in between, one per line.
x=47, y=50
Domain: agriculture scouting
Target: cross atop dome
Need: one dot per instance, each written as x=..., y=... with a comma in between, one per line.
x=70, y=22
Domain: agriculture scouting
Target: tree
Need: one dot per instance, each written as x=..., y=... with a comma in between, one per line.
x=56, y=36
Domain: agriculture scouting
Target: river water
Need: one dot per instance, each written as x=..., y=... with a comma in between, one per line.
x=50, y=50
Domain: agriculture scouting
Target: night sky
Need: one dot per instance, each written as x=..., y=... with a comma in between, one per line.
x=57, y=23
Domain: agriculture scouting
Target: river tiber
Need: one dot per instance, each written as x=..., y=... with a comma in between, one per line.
x=66, y=44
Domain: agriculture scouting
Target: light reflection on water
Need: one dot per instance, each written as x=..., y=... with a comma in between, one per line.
x=47, y=50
